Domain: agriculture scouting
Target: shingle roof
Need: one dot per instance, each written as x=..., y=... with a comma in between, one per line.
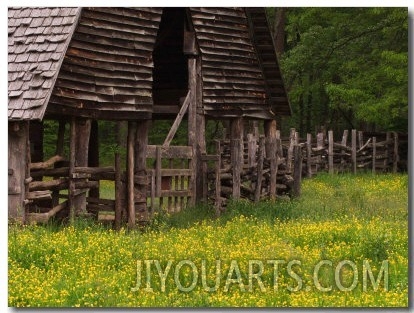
x=37, y=41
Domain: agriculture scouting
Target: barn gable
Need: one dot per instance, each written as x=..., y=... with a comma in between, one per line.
x=93, y=62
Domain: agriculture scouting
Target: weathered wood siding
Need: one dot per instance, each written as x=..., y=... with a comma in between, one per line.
x=233, y=83
x=266, y=54
x=107, y=71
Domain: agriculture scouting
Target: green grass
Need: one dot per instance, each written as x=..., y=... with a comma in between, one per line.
x=356, y=218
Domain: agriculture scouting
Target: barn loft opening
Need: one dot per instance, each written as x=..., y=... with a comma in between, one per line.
x=170, y=74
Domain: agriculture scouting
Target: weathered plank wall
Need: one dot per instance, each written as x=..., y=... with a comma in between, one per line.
x=108, y=65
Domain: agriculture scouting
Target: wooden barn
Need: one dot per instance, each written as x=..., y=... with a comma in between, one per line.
x=77, y=66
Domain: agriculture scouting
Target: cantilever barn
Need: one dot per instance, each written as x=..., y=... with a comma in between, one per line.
x=77, y=66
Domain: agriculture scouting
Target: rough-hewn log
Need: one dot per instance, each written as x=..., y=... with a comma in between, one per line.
x=46, y=164
x=140, y=169
x=236, y=135
x=83, y=129
x=132, y=129
x=297, y=174
x=44, y=217
x=192, y=124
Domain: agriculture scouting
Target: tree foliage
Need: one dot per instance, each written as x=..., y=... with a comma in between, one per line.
x=347, y=67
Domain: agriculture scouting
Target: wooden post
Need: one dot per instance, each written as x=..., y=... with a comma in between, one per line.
x=118, y=191
x=297, y=171
x=132, y=129
x=82, y=135
x=93, y=157
x=236, y=143
x=192, y=126
x=290, y=149
x=360, y=139
x=309, y=155
x=258, y=190
x=72, y=158
x=60, y=145
x=319, y=146
x=388, y=159
x=374, y=153
x=218, y=178
x=18, y=134
x=252, y=150
x=344, y=143
x=396, y=157
x=354, y=160
x=271, y=154
x=140, y=170
x=330, y=151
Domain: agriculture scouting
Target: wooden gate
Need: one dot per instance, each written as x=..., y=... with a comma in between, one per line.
x=171, y=177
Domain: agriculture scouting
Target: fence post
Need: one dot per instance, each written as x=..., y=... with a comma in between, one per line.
x=309, y=155
x=354, y=163
x=297, y=173
x=290, y=149
x=374, y=153
x=258, y=191
x=396, y=157
x=330, y=151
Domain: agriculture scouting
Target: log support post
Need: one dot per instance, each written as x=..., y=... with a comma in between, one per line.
x=236, y=146
x=132, y=129
x=192, y=129
x=18, y=162
x=140, y=171
x=272, y=154
x=79, y=148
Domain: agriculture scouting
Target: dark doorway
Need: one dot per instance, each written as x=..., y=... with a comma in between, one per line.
x=170, y=73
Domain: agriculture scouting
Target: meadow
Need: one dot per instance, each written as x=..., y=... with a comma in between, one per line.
x=343, y=243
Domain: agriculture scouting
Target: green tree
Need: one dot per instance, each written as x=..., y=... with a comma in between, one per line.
x=347, y=67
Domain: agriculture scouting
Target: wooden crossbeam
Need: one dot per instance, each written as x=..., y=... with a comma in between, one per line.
x=178, y=120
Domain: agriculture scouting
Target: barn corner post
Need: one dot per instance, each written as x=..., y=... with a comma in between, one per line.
x=18, y=167
x=196, y=125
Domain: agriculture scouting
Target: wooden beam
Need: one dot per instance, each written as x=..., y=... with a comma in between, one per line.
x=178, y=120
x=192, y=125
x=297, y=171
x=354, y=149
x=132, y=129
x=236, y=150
x=140, y=169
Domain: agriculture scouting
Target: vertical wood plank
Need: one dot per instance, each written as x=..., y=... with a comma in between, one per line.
x=330, y=151
x=353, y=152
x=360, y=139
x=132, y=129
x=158, y=164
